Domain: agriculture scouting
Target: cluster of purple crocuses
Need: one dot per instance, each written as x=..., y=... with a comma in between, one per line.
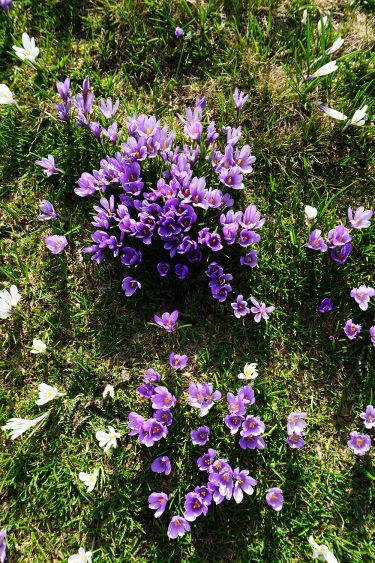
x=252, y=427
x=167, y=209
x=361, y=443
x=338, y=240
x=54, y=243
x=295, y=429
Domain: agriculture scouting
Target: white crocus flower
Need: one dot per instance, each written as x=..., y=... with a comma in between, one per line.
x=324, y=70
x=249, y=372
x=322, y=23
x=359, y=117
x=81, y=557
x=109, y=390
x=89, y=479
x=321, y=552
x=310, y=214
x=335, y=47
x=19, y=425
x=108, y=440
x=5, y=309
x=29, y=51
x=12, y=296
x=304, y=17
x=46, y=394
x=38, y=346
x=6, y=96
x=333, y=113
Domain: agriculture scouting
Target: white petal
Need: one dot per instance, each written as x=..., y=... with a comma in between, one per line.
x=333, y=113
x=336, y=46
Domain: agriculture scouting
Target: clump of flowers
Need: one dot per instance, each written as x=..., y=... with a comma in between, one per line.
x=296, y=429
x=9, y=299
x=177, y=201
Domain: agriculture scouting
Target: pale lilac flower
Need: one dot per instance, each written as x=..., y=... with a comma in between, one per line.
x=161, y=465
x=158, y=502
x=177, y=527
x=362, y=296
x=109, y=109
x=333, y=113
x=359, y=117
x=295, y=441
x=56, y=243
x=369, y=417
x=274, y=498
x=252, y=443
x=49, y=165
x=243, y=483
x=250, y=259
x=323, y=70
x=47, y=211
x=3, y=546
x=316, y=242
x=194, y=507
x=63, y=89
x=361, y=218
x=163, y=399
x=260, y=310
x=167, y=320
x=359, y=443
x=296, y=423
x=335, y=46
x=239, y=100
x=351, y=330
x=179, y=32
x=178, y=362
x=202, y=396
x=339, y=236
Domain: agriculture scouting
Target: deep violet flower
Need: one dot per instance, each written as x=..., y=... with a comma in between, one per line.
x=177, y=527
x=163, y=268
x=243, y=483
x=362, y=296
x=340, y=254
x=252, y=443
x=47, y=211
x=158, y=502
x=181, y=271
x=250, y=259
x=240, y=307
x=167, y=320
x=325, y=305
x=275, y=499
x=233, y=422
x=165, y=417
x=252, y=426
x=351, y=329
x=163, y=399
x=260, y=310
x=295, y=441
x=130, y=286
x=359, y=443
x=146, y=391
x=179, y=32
x=200, y=436
x=161, y=465
x=368, y=417
x=205, y=462
x=361, y=218
x=56, y=243
x=202, y=396
x=178, y=362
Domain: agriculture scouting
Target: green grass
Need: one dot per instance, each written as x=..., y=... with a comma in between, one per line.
x=96, y=336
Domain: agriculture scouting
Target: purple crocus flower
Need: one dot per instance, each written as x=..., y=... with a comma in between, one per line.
x=362, y=295
x=252, y=443
x=163, y=399
x=179, y=32
x=325, y=305
x=182, y=271
x=251, y=218
x=63, y=89
x=167, y=320
x=177, y=527
x=204, y=494
x=252, y=426
x=369, y=417
x=178, y=362
x=111, y=133
x=3, y=546
x=47, y=211
x=359, y=443
x=339, y=236
x=152, y=431
x=351, y=330
x=206, y=460
x=194, y=507
x=49, y=165
x=316, y=241
x=243, y=483
x=151, y=376
x=235, y=404
x=163, y=268
x=250, y=259
x=240, y=307
x=295, y=441
x=247, y=394
x=130, y=286
x=158, y=502
x=4, y=4
x=161, y=465
x=274, y=498
x=340, y=254
x=200, y=436
x=135, y=423
x=56, y=243
x=165, y=417
x=296, y=423
x=109, y=109
x=202, y=396
x=372, y=334
x=233, y=422
x=146, y=391
x=361, y=218
x=239, y=100
x=260, y=310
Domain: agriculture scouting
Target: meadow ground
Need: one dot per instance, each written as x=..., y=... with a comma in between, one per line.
x=97, y=336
